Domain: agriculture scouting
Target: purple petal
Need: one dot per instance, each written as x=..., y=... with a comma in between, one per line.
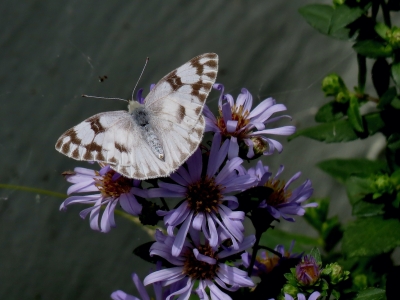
x=260, y=108
x=130, y=205
x=204, y=258
x=181, y=236
x=285, y=130
x=226, y=112
x=162, y=275
x=231, y=126
x=233, y=148
x=120, y=295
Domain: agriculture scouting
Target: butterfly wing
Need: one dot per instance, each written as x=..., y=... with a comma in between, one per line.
x=176, y=104
x=112, y=138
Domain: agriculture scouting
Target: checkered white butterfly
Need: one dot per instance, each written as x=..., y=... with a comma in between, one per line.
x=153, y=139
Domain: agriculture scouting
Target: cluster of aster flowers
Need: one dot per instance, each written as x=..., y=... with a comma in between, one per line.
x=204, y=235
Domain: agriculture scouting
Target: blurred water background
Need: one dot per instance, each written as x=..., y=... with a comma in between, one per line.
x=52, y=51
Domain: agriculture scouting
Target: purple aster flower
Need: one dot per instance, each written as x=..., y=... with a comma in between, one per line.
x=313, y=296
x=200, y=263
x=264, y=263
x=282, y=201
x=239, y=124
x=308, y=271
x=111, y=187
x=208, y=204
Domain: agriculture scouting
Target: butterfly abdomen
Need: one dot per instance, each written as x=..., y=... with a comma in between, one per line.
x=141, y=118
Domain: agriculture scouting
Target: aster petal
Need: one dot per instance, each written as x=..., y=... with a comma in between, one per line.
x=198, y=221
x=275, y=119
x=269, y=112
x=249, y=144
x=121, y=295
x=294, y=177
x=107, y=219
x=140, y=287
x=314, y=204
x=208, y=114
x=231, y=126
x=232, y=201
x=184, y=173
x=229, y=99
x=160, y=192
x=301, y=296
x=94, y=217
x=194, y=164
x=213, y=238
x=239, y=183
x=284, y=130
x=176, y=216
x=261, y=107
x=233, y=148
x=163, y=275
x=211, y=126
x=247, y=243
x=85, y=171
x=231, y=226
x=288, y=297
x=314, y=296
x=87, y=199
x=226, y=112
x=280, y=170
x=216, y=293
x=184, y=292
x=181, y=236
x=201, y=292
x=179, y=179
x=233, y=276
x=139, y=192
x=82, y=187
x=229, y=167
x=273, y=144
x=204, y=258
x=129, y=204
x=172, y=187
x=104, y=170
x=214, y=155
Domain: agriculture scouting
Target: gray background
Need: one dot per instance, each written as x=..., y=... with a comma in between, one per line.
x=52, y=51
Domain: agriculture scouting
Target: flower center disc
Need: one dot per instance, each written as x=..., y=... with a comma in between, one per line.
x=204, y=195
x=113, y=188
x=196, y=269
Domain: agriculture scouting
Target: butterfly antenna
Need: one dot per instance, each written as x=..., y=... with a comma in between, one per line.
x=87, y=96
x=145, y=64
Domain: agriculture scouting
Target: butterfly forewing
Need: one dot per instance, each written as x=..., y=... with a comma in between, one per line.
x=174, y=109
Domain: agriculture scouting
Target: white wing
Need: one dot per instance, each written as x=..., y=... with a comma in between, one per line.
x=176, y=104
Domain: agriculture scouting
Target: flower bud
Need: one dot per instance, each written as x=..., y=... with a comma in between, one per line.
x=333, y=85
x=336, y=273
x=308, y=271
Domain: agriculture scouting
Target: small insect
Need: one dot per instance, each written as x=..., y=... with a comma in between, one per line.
x=102, y=78
x=152, y=139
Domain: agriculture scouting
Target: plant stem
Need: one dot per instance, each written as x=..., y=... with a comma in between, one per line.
x=164, y=203
x=254, y=253
x=386, y=14
x=362, y=72
x=32, y=190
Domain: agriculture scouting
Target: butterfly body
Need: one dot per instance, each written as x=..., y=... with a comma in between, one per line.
x=152, y=139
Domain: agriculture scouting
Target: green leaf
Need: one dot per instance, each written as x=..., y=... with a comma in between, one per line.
x=343, y=16
x=318, y=16
x=358, y=188
x=316, y=254
x=382, y=30
x=371, y=294
x=395, y=103
x=354, y=115
x=331, y=21
x=341, y=169
x=396, y=72
x=374, y=123
x=371, y=236
x=331, y=132
x=330, y=111
x=373, y=49
x=387, y=97
x=318, y=215
x=274, y=237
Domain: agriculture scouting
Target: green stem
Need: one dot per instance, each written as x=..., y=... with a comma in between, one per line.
x=271, y=250
x=386, y=14
x=362, y=72
x=254, y=253
x=32, y=190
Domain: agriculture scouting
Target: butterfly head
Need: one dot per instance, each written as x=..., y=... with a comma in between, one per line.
x=133, y=105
